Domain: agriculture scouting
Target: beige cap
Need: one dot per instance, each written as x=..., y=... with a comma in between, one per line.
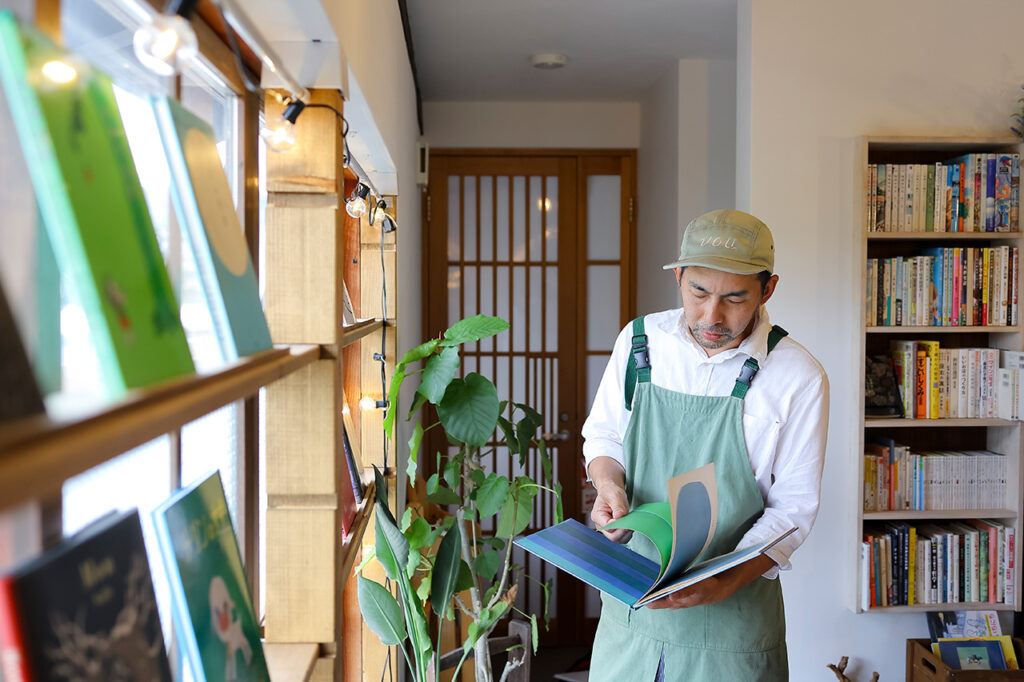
x=727, y=240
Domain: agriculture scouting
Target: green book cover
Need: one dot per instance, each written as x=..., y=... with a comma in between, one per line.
x=203, y=200
x=213, y=612
x=93, y=207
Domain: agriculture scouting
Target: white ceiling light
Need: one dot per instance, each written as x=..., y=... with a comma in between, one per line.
x=548, y=60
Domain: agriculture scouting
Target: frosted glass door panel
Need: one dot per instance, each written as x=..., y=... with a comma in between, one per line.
x=602, y=306
x=551, y=218
x=604, y=229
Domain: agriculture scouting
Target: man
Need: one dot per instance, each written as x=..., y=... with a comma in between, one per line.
x=711, y=382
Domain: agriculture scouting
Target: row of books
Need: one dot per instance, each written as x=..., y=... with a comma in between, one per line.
x=971, y=640
x=896, y=478
x=77, y=155
x=86, y=609
x=940, y=563
x=970, y=193
x=944, y=287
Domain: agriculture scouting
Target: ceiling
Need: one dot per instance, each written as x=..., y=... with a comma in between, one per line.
x=480, y=49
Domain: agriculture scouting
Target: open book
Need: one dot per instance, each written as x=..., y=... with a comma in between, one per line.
x=630, y=577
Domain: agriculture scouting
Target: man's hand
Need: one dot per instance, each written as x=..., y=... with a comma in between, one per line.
x=717, y=587
x=610, y=481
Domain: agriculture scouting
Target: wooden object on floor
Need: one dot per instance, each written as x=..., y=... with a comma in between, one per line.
x=840, y=670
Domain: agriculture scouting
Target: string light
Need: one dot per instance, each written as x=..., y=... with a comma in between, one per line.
x=355, y=205
x=59, y=72
x=167, y=41
x=279, y=136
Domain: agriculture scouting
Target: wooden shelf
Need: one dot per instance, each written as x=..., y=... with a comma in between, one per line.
x=290, y=661
x=953, y=236
x=37, y=455
x=917, y=515
x=353, y=542
x=958, y=606
x=940, y=330
x=354, y=332
x=935, y=423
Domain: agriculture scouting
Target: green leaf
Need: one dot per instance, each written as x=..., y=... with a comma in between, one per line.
x=451, y=472
x=414, y=448
x=406, y=519
x=446, y=570
x=381, y=494
x=533, y=632
x=473, y=329
x=469, y=409
x=439, y=494
x=423, y=591
x=491, y=495
x=417, y=402
x=381, y=612
x=524, y=431
x=389, y=416
x=527, y=486
x=369, y=554
x=502, y=406
x=531, y=414
x=477, y=476
x=419, y=352
x=418, y=534
x=486, y=564
x=545, y=460
x=559, y=514
x=510, y=435
x=413, y=563
x=392, y=547
x=465, y=580
x=516, y=513
x=479, y=628
x=418, y=632
x=438, y=373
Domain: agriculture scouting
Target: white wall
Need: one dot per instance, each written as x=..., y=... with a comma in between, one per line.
x=686, y=165
x=552, y=125
x=371, y=36
x=814, y=77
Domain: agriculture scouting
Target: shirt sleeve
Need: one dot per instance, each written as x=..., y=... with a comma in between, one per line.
x=605, y=426
x=793, y=497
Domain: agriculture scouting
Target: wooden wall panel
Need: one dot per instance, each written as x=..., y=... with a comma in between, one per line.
x=300, y=578
x=302, y=416
x=314, y=164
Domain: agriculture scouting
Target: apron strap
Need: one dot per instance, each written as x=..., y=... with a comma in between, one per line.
x=750, y=367
x=638, y=366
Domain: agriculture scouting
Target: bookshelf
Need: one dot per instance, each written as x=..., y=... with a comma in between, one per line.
x=998, y=435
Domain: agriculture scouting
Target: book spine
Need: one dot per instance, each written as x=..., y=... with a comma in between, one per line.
x=929, y=209
x=1011, y=580
x=921, y=386
x=14, y=665
x=1015, y=192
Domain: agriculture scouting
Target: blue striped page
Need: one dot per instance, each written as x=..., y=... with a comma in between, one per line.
x=594, y=559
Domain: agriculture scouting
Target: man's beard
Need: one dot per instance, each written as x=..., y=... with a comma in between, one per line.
x=727, y=335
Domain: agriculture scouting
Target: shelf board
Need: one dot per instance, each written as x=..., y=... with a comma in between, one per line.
x=37, y=455
x=958, y=606
x=935, y=423
x=914, y=515
x=353, y=333
x=940, y=330
x=353, y=542
x=953, y=236
x=290, y=661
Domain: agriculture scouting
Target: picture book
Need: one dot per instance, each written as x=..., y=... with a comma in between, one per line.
x=21, y=396
x=202, y=197
x=963, y=624
x=972, y=655
x=681, y=530
x=1003, y=642
x=85, y=610
x=93, y=207
x=213, y=614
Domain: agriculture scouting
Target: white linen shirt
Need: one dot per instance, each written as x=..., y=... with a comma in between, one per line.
x=785, y=416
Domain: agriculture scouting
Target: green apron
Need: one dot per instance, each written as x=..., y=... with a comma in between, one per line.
x=740, y=638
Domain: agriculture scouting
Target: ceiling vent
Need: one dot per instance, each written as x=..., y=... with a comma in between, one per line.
x=548, y=60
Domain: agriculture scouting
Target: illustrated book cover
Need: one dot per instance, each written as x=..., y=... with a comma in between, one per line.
x=203, y=200
x=681, y=530
x=85, y=610
x=213, y=614
x=93, y=207
x=972, y=655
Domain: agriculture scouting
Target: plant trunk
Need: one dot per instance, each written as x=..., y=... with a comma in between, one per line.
x=482, y=659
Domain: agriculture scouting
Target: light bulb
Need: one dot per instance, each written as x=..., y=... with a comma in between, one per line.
x=165, y=43
x=367, y=403
x=279, y=136
x=59, y=72
x=356, y=207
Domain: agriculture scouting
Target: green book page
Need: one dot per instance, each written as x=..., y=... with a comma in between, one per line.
x=212, y=578
x=653, y=520
x=94, y=210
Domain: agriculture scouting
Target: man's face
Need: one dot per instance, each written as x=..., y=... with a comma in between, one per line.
x=720, y=306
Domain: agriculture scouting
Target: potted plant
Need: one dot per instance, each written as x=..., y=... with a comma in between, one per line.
x=475, y=422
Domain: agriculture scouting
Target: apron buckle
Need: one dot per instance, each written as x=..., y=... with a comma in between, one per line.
x=643, y=358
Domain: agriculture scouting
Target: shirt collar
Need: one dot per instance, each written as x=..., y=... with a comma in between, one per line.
x=755, y=345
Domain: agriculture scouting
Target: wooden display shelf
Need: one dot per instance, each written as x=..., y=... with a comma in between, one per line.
x=290, y=661
x=354, y=332
x=956, y=606
x=38, y=454
x=953, y=236
x=932, y=423
x=922, y=514
x=353, y=541
x=952, y=329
